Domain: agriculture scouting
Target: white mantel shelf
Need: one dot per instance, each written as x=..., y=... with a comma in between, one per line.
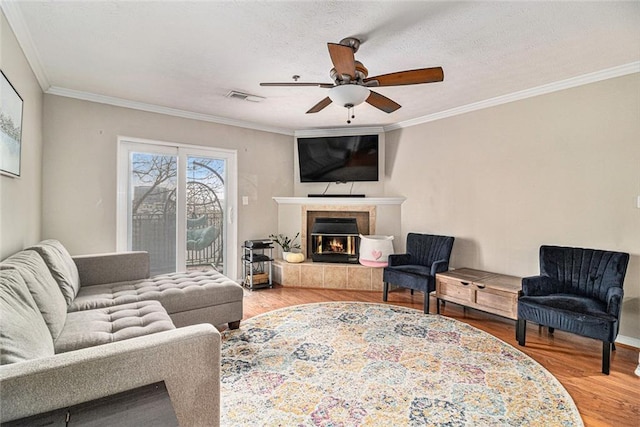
x=341, y=201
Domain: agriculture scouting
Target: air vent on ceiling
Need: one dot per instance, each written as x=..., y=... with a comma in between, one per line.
x=244, y=96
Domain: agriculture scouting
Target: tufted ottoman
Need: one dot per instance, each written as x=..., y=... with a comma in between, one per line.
x=89, y=328
x=189, y=297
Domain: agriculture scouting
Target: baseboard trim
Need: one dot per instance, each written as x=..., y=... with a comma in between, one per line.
x=629, y=341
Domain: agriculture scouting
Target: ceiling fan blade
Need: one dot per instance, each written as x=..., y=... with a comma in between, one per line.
x=342, y=58
x=383, y=103
x=409, y=77
x=320, y=105
x=326, y=85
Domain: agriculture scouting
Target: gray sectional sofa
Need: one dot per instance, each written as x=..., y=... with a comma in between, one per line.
x=74, y=329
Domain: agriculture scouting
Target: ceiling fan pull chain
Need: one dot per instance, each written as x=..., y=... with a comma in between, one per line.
x=351, y=110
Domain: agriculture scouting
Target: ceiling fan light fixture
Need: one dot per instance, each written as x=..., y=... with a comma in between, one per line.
x=349, y=95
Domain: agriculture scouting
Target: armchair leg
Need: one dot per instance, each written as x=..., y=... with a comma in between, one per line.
x=551, y=330
x=606, y=357
x=521, y=331
x=426, y=301
x=411, y=291
x=385, y=291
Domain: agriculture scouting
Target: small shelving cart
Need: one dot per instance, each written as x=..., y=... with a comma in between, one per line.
x=257, y=260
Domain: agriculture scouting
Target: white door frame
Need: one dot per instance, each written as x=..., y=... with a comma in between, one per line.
x=128, y=144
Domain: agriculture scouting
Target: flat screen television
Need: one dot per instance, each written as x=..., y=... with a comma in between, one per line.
x=338, y=158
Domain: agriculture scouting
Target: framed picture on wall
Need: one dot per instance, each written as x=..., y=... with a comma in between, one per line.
x=10, y=128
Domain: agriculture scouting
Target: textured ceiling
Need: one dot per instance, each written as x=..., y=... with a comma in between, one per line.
x=189, y=55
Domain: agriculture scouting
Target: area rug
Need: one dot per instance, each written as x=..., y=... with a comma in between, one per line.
x=361, y=364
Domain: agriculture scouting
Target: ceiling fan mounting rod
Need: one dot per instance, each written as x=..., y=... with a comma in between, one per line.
x=352, y=42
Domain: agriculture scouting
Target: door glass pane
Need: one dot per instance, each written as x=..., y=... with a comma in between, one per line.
x=205, y=212
x=152, y=209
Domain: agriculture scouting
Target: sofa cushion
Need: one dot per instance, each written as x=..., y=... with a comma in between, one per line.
x=61, y=265
x=23, y=333
x=105, y=325
x=42, y=286
x=177, y=292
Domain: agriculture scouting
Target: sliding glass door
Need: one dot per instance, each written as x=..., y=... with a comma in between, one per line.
x=206, y=204
x=152, y=207
x=177, y=203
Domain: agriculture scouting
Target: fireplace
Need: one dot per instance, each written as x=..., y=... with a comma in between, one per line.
x=334, y=240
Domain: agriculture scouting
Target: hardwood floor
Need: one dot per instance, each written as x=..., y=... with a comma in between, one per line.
x=602, y=400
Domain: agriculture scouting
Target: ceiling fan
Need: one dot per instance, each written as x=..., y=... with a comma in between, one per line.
x=352, y=85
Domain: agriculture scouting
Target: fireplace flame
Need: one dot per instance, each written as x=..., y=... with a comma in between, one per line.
x=336, y=246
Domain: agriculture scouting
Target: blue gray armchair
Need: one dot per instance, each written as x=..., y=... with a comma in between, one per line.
x=416, y=269
x=578, y=291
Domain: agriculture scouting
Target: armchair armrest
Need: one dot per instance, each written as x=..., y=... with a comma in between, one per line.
x=614, y=301
x=439, y=266
x=186, y=359
x=399, y=259
x=538, y=285
x=98, y=269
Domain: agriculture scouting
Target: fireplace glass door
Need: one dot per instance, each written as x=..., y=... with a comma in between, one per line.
x=334, y=240
x=325, y=244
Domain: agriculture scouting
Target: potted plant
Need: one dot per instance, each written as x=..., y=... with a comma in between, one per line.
x=287, y=244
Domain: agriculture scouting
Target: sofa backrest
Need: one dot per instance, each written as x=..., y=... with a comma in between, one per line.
x=588, y=272
x=23, y=332
x=62, y=267
x=43, y=288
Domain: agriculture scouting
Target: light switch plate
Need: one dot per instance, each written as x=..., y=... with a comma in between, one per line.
x=245, y=200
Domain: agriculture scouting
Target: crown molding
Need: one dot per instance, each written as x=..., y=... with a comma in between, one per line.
x=14, y=17
x=597, y=76
x=151, y=108
x=339, y=131
x=609, y=73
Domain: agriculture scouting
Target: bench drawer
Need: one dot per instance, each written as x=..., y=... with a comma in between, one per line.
x=454, y=290
x=499, y=302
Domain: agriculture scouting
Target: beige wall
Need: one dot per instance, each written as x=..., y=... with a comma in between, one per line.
x=562, y=168
x=20, y=198
x=79, y=168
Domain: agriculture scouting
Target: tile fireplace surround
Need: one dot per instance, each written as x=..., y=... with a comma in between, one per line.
x=295, y=214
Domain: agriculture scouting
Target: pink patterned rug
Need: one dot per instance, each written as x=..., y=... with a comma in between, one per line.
x=361, y=364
